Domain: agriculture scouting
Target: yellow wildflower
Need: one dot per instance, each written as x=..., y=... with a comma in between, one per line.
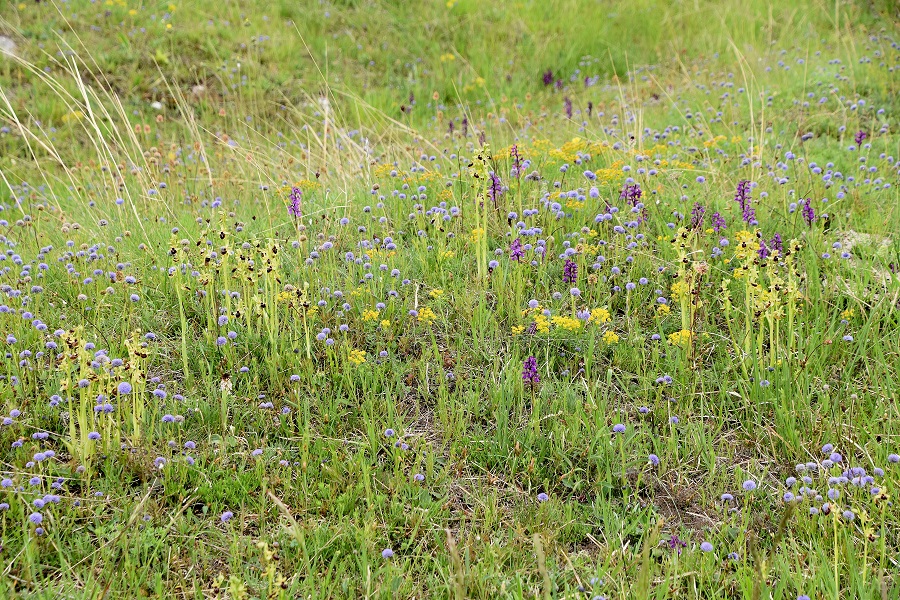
x=680, y=289
x=357, y=357
x=517, y=329
x=370, y=315
x=681, y=338
x=663, y=309
x=567, y=323
x=426, y=316
x=600, y=315
x=611, y=337
x=436, y=293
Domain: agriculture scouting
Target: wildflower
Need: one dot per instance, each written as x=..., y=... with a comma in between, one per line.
x=94, y=436
x=547, y=77
x=749, y=485
x=516, y=251
x=599, y=315
x=226, y=516
x=542, y=497
x=419, y=477
x=631, y=193
x=387, y=553
x=676, y=544
x=610, y=337
x=718, y=222
x=570, y=272
x=809, y=215
x=859, y=137
x=357, y=357
x=653, y=460
x=697, y=216
x=36, y=518
x=681, y=338
x=618, y=428
x=495, y=188
x=294, y=206
x=706, y=547
x=742, y=197
x=123, y=388
x=426, y=316
x=530, y=372
x=516, y=160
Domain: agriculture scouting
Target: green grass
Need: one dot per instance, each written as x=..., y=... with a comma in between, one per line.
x=504, y=488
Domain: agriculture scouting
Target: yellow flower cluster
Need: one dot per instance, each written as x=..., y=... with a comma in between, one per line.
x=436, y=293
x=426, y=316
x=680, y=289
x=600, y=315
x=357, y=357
x=476, y=235
x=611, y=337
x=681, y=338
x=567, y=323
x=541, y=323
x=370, y=315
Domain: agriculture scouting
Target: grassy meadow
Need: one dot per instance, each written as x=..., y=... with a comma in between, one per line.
x=450, y=299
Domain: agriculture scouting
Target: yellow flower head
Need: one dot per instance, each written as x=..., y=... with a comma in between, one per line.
x=681, y=338
x=600, y=315
x=357, y=357
x=426, y=316
x=567, y=323
x=680, y=289
x=610, y=337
